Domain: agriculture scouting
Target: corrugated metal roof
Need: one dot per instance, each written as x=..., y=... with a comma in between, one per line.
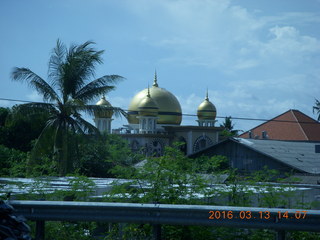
x=300, y=155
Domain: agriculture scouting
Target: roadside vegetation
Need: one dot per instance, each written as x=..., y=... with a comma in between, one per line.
x=170, y=179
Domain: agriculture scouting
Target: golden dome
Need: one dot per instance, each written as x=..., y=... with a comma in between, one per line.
x=169, y=107
x=148, y=107
x=105, y=114
x=206, y=110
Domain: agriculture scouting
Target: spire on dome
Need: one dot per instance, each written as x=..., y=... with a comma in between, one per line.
x=155, y=82
x=148, y=95
x=207, y=97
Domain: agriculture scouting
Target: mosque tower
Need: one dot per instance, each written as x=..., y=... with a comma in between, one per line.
x=103, y=118
x=206, y=113
x=148, y=114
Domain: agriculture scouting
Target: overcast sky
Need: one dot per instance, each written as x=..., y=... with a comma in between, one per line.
x=257, y=58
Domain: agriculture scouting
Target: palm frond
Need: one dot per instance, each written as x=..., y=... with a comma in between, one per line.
x=79, y=66
x=85, y=127
x=55, y=70
x=36, y=108
x=36, y=82
x=316, y=108
x=43, y=144
x=92, y=109
x=97, y=87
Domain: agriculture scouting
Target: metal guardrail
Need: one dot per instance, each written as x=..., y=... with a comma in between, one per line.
x=278, y=219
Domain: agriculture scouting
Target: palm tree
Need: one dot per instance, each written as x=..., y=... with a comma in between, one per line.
x=66, y=95
x=228, y=127
x=317, y=108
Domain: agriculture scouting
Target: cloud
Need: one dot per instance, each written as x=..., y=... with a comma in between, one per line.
x=289, y=45
x=34, y=96
x=224, y=36
x=270, y=62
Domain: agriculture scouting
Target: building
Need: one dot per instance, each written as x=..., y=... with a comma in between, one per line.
x=291, y=125
x=249, y=155
x=154, y=121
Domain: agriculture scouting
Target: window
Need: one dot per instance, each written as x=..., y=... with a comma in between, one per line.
x=201, y=143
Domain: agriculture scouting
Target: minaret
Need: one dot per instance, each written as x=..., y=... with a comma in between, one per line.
x=206, y=113
x=103, y=118
x=148, y=114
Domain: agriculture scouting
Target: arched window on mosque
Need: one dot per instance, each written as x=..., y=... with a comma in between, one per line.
x=183, y=146
x=155, y=148
x=135, y=146
x=202, y=142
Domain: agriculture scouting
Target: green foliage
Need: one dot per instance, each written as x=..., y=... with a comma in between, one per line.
x=79, y=188
x=15, y=163
x=239, y=193
x=129, y=231
x=270, y=195
x=172, y=178
x=12, y=162
x=18, y=130
x=67, y=230
x=4, y=112
x=166, y=179
x=303, y=235
x=99, y=154
x=215, y=164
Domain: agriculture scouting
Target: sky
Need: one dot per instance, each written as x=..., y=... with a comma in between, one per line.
x=258, y=59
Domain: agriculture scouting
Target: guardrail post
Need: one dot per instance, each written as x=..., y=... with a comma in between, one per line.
x=156, y=232
x=40, y=225
x=281, y=235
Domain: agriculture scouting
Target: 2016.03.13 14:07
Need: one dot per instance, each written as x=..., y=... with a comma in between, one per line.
x=259, y=215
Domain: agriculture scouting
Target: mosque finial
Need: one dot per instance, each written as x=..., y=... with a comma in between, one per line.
x=155, y=82
x=207, y=97
x=148, y=95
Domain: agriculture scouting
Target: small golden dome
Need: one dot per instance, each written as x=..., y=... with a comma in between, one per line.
x=169, y=111
x=206, y=110
x=148, y=107
x=104, y=114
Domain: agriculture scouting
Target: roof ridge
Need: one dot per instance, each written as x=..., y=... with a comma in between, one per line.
x=305, y=115
x=299, y=123
x=270, y=120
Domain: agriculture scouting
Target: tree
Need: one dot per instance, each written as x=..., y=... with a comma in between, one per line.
x=98, y=155
x=19, y=131
x=228, y=127
x=316, y=108
x=66, y=95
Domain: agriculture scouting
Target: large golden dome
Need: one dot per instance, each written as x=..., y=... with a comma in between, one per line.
x=206, y=110
x=104, y=114
x=169, y=106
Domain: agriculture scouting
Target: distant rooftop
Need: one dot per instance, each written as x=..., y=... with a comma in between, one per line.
x=291, y=125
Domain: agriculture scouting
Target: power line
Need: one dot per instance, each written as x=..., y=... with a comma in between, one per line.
x=16, y=100
x=194, y=115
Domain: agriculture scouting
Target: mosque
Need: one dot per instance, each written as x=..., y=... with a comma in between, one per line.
x=154, y=117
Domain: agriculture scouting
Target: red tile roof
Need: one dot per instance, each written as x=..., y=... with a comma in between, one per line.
x=291, y=125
